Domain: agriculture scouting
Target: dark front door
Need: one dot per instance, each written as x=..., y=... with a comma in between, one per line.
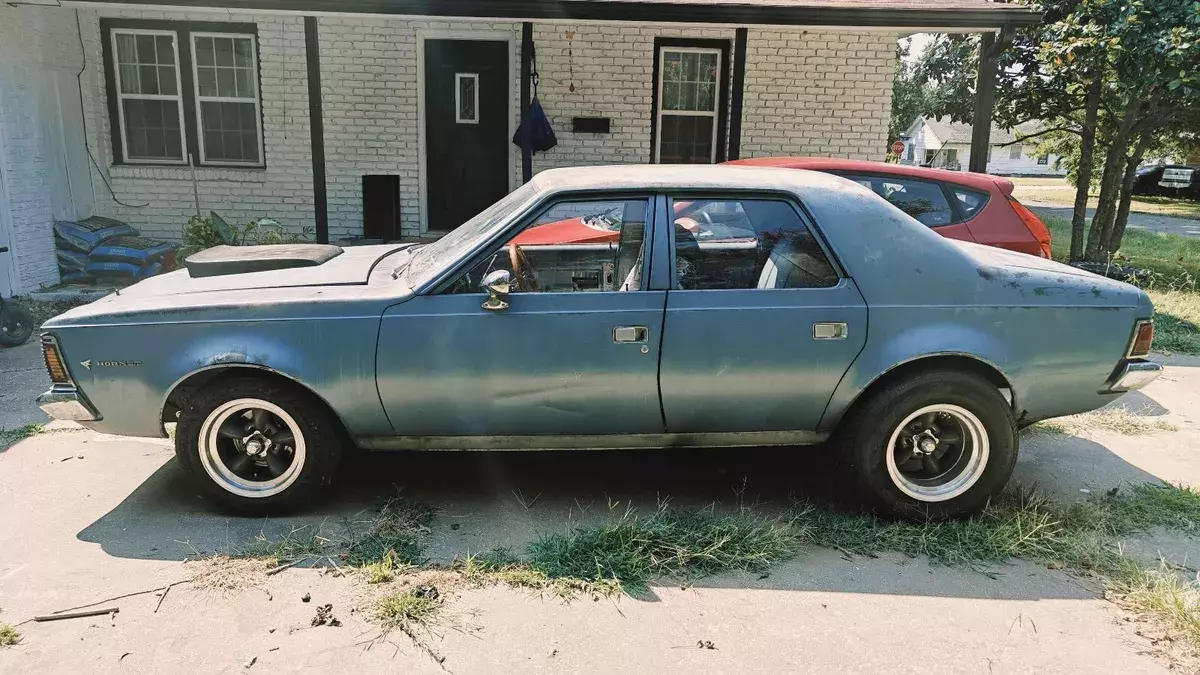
x=466, y=128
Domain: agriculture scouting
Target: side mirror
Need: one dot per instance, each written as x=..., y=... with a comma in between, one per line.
x=498, y=284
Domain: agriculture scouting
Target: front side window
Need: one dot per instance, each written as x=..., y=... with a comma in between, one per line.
x=149, y=103
x=920, y=199
x=689, y=98
x=226, y=76
x=572, y=247
x=725, y=244
x=183, y=88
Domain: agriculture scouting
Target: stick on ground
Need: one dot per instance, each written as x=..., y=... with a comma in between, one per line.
x=77, y=615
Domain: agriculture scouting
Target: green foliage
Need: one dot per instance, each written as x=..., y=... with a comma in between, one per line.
x=910, y=97
x=633, y=548
x=213, y=230
x=10, y=436
x=394, y=536
x=408, y=609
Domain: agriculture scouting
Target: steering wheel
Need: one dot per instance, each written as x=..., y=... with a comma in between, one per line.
x=706, y=217
x=522, y=270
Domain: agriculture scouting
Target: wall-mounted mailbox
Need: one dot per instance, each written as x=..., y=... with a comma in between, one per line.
x=590, y=125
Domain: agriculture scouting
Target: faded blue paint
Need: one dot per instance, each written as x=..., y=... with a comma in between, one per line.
x=394, y=360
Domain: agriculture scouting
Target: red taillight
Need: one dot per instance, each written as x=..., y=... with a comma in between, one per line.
x=1143, y=336
x=1035, y=226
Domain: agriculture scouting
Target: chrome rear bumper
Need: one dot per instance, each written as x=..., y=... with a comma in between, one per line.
x=1135, y=375
x=66, y=404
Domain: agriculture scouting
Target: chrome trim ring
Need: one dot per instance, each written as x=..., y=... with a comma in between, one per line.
x=236, y=439
x=937, y=453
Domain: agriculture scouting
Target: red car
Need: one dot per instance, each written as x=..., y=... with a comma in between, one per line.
x=959, y=205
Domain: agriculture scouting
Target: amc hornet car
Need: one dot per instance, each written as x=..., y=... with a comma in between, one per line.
x=616, y=307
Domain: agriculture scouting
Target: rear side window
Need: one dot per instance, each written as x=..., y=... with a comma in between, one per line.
x=923, y=200
x=969, y=202
x=745, y=244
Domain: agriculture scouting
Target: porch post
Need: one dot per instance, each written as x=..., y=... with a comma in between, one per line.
x=316, y=129
x=526, y=74
x=739, y=85
x=985, y=102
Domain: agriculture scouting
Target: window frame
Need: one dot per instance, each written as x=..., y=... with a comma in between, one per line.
x=186, y=75
x=542, y=207
x=121, y=97
x=695, y=194
x=204, y=161
x=721, y=99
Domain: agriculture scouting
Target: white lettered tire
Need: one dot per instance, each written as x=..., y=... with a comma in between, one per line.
x=930, y=446
x=258, y=445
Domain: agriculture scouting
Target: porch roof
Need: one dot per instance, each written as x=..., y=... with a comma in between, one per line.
x=915, y=14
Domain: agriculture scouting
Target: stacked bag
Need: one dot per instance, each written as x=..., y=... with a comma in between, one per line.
x=104, y=249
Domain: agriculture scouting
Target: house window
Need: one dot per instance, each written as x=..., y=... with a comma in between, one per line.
x=227, y=105
x=149, y=103
x=689, y=115
x=183, y=88
x=1014, y=152
x=1044, y=159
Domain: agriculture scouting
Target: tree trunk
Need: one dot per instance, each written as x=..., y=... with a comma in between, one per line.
x=1110, y=184
x=1084, y=178
x=1131, y=166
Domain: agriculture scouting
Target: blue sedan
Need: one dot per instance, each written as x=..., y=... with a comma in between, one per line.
x=612, y=307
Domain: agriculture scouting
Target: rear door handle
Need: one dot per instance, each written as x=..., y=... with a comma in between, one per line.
x=630, y=334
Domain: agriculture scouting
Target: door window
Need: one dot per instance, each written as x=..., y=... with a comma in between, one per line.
x=572, y=247
x=970, y=202
x=746, y=243
x=920, y=199
x=689, y=98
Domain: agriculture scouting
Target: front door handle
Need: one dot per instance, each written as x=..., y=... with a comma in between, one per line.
x=630, y=334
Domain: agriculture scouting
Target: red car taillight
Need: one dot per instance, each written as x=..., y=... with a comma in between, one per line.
x=1035, y=226
x=1143, y=336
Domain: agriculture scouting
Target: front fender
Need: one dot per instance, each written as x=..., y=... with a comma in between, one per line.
x=889, y=350
x=332, y=356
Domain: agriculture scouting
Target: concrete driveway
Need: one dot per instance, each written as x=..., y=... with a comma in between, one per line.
x=84, y=517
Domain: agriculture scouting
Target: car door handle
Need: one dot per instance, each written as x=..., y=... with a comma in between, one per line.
x=630, y=334
x=830, y=330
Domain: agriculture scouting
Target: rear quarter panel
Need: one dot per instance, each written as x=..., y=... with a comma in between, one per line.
x=1056, y=334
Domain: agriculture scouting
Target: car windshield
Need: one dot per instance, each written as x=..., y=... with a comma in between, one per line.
x=428, y=261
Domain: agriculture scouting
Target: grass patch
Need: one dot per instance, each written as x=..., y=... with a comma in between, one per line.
x=1120, y=419
x=394, y=536
x=1176, y=321
x=1169, y=255
x=408, y=609
x=8, y=635
x=1164, y=594
x=633, y=548
x=500, y=566
x=10, y=436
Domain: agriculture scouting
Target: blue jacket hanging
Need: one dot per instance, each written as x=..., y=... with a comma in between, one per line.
x=536, y=127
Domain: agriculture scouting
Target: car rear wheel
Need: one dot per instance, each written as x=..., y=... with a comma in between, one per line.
x=931, y=446
x=258, y=446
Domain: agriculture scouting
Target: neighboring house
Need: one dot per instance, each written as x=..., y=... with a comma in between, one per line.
x=393, y=118
x=946, y=144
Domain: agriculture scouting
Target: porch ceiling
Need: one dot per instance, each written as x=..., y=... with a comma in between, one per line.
x=963, y=14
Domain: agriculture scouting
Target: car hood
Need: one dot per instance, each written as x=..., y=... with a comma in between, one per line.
x=178, y=290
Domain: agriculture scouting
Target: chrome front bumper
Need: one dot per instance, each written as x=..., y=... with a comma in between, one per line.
x=1135, y=375
x=66, y=404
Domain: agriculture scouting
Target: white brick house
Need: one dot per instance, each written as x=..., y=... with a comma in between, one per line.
x=400, y=131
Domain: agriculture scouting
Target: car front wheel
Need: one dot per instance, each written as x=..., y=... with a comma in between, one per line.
x=257, y=446
x=931, y=446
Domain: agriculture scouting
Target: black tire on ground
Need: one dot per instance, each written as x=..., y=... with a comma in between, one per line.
x=863, y=438
x=323, y=435
x=16, y=325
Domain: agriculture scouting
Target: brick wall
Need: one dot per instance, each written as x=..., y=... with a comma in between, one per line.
x=159, y=200
x=821, y=93
x=38, y=54
x=818, y=93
